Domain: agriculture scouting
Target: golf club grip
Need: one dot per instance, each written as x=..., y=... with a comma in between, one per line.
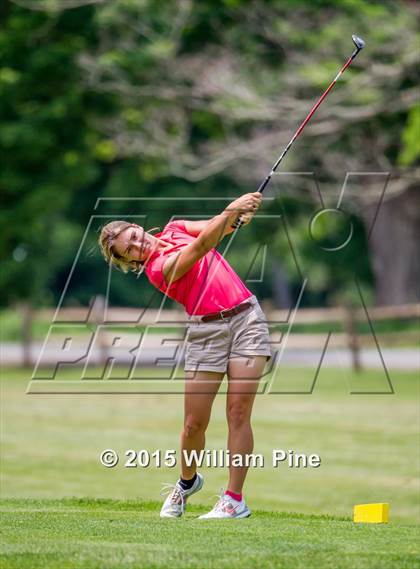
x=262, y=187
x=237, y=223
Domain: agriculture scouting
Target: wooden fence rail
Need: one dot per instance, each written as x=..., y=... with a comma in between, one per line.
x=98, y=313
x=151, y=315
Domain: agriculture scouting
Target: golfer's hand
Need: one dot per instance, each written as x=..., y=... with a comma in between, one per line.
x=248, y=203
x=245, y=207
x=245, y=218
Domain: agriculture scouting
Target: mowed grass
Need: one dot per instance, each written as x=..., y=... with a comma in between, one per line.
x=51, y=475
x=106, y=534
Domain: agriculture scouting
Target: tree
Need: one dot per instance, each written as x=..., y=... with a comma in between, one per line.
x=47, y=145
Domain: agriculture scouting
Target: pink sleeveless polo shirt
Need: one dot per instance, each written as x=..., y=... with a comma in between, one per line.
x=211, y=285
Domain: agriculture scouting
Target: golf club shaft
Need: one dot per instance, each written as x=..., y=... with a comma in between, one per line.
x=307, y=119
x=359, y=45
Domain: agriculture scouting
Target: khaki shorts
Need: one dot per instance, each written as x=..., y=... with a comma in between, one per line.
x=210, y=345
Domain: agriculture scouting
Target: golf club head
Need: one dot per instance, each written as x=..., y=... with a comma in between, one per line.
x=358, y=42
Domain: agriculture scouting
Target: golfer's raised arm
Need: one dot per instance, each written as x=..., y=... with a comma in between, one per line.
x=194, y=228
x=210, y=236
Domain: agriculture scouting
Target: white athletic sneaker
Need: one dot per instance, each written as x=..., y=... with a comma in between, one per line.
x=176, y=502
x=227, y=508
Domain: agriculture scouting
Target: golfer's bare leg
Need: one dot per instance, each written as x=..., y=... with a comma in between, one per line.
x=200, y=391
x=244, y=375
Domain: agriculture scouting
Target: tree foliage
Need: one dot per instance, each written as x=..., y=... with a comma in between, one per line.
x=148, y=99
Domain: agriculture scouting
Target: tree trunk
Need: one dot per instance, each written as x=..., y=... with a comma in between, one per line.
x=394, y=248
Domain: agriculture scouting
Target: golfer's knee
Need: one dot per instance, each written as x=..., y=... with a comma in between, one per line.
x=237, y=416
x=194, y=426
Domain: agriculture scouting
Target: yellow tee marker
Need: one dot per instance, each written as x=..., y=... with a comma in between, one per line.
x=371, y=513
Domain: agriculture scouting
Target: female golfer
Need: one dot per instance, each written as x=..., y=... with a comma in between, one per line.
x=227, y=333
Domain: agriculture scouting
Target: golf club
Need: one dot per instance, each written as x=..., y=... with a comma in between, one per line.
x=360, y=44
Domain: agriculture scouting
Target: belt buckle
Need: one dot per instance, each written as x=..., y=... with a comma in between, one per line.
x=221, y=313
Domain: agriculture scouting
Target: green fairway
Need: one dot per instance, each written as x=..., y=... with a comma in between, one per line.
x=110, y=534
x=367, y=443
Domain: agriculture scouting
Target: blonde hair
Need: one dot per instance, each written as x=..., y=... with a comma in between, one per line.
x=106, y=241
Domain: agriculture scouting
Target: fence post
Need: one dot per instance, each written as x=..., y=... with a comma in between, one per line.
x=350, y=325
x=98, y=317
x=26, y=330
